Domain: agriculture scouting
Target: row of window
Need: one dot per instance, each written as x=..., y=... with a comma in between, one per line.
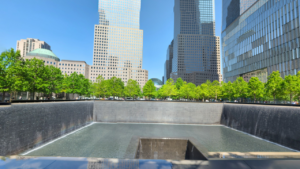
x=69, y=68
x=65, y=64
x=71, y=72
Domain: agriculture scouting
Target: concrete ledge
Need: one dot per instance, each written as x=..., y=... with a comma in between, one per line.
x=158, y=112
x=253, y=155
x=92, y=163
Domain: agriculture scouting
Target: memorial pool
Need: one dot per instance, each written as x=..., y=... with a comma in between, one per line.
x=119, y=140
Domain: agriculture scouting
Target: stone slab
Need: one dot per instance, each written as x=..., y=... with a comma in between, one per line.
x=97, y=163
x=157, y=112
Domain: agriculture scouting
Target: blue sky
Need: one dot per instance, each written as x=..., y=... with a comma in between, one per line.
x=68, y=26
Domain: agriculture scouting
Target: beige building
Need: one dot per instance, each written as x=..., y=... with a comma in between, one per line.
x=66, y=66
x=118, y=42
x=27, y=45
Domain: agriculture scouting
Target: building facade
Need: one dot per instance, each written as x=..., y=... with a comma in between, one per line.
x=118, y=42
x=245, y=4
x=196, y=50
x=168, y=63
x=66, y=66
x=27, y=45
x=263, y=39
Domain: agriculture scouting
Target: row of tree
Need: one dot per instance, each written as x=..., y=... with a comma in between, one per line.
x=34, y=76
x=276, y=88
x=17, y=74
x=115, y=87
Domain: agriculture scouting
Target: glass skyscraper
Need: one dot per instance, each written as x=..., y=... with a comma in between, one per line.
x=196, y=51
x=118, y=42
x=263, y=39
x=245, y=4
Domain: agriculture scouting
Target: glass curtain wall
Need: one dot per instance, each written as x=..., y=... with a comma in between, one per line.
x=196, y=56
x=266, y=37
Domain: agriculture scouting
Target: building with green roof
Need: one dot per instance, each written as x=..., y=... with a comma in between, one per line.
x=43, y=53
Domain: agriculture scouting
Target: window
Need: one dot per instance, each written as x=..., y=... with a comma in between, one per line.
x=47, y=61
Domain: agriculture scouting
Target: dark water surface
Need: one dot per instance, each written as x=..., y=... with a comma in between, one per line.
x=109, y=140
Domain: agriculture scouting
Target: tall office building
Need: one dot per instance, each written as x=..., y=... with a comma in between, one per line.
x=245, y=4
x=168, y=63
x=27, y=45
x=196, y=51
x=263, y=39
x=118, y=42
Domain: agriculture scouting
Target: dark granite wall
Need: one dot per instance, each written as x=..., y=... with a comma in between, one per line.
x=157, y=112
x=26, y=125
x=279, y=124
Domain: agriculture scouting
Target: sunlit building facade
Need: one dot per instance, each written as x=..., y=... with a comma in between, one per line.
x=67, y=67
x=168, y=63
x=25, y=46
x=265, y=38
x=196, y=50
x=118, y=42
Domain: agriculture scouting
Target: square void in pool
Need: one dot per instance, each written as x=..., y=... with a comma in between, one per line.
x=115, y=140
x=174, y=149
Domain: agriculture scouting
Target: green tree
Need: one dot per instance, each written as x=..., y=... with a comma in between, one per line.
x=216, y=89
x=93, y=89
x=240, y=87
x=228, y=90
x=187, y=90
x=255, y=88
x=169, y=89
x=54, y=80
x=76, y=84
x=210, y=89
x=290, y=86
x=132, y=88
x=35, y=76
x=273, y=85
x=85, y=85
x=72, y=83
x=149, y=89
x=101, y=87
x=105, y=88
x=198, y=92
x=179, y=83
x=8, y=62
x=204, y=91
x=116, y=86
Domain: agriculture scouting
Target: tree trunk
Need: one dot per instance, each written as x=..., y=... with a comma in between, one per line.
x=3, y=96
x=10, y=98
x=291, y=98
x=254, y=98
x=274, y=97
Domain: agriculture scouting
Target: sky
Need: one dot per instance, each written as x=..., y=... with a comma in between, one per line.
x=68, y=27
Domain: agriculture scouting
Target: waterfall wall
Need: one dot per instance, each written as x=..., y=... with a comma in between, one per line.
x=27, y=125
x=279, y=124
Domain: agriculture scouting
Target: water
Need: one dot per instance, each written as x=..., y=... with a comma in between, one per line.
x=120, y=140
